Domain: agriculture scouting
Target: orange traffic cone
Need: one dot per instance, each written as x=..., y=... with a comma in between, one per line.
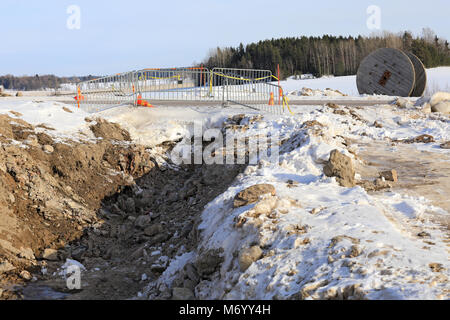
x=271, y=102
x=143, y=103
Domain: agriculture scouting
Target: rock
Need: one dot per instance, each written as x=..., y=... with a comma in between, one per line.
x=130, y=206
x=436, y=267
x=423, y=138
x=32, y=141
x=340, y=112
x=252, y=194
x=208, y=262
x=341, y=167
x=442, y=107
x=50, y=254
x=191, y=272
x=426, y=108
x=48, y=148
x=439, y=97
x=445, y=145
x=157, y=268
x=142, y=221
x=423, y=234
x=19, y=94
x=78, y=252
x=188, y=283
x=390, y=175
x=6, y=266
x=403, y=103
x=26, y=275
x=153, y=230
x=27, y=253
x=332, y=105
x=182, y=294
x=110, y=131
x=376, y=124
x=248, y=256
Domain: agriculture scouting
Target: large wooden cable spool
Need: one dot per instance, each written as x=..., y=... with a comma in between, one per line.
x=386, y=71
x=421, y=75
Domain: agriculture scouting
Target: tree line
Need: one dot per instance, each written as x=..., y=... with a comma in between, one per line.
x=38, y=82
x=327, y=55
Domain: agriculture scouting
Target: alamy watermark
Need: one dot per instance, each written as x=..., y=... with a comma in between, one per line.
x=374, y=20
x=74, y=20
x=214, y=146
x=73, y=277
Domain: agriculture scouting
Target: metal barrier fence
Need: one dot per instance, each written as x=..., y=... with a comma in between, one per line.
x=247, y=87
x=178, y=84
x=107, y=92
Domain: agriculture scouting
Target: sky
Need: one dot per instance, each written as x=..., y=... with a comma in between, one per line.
x=118, y=36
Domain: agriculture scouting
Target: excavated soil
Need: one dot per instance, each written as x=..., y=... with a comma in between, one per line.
x=111, y=205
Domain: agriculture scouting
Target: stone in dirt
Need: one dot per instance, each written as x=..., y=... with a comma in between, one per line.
x=377, y=124
x=252, y=194
x=182, y=294
x=248, y=256
x=5, y=267
x=423, y=138
x=153, y=230
x=389, y=175
x=26, y=275
x=50, y=254
x=109, y=131
x=436, y=267
x=341, y=167
x=48, y=148
x=403, y=103
x=445, y=145
x=208, y=262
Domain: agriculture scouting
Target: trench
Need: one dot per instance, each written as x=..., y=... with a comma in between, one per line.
x=140, y=229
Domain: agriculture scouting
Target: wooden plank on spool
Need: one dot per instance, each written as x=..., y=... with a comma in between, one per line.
x=386, y=71
x=421, y=75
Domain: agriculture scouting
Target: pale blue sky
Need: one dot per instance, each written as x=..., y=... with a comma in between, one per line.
x=120, y=35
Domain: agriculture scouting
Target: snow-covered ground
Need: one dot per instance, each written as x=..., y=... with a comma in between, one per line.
x=438, y=79
x=318, y=238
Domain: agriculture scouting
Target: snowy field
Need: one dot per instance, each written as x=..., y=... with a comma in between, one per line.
x=317, y=237
x=438, y=79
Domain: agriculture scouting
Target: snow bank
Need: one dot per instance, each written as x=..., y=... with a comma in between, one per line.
x=320, y=240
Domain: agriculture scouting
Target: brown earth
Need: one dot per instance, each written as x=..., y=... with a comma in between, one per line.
x=48, y=198
x=111, y=205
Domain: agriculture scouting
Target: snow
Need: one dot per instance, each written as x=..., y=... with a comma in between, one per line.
x=438, y=79
x=317, y=224
x=65, y=125
x=373, y=223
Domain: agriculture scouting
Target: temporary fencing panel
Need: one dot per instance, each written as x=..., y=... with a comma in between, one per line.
x=247, y=87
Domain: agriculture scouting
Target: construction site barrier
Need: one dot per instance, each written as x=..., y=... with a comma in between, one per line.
x=248, y=87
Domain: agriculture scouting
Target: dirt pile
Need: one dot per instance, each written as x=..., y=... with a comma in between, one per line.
x=50, y=192
x=341, y=167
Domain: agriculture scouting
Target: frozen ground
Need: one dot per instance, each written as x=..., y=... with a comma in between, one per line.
x=319, y=240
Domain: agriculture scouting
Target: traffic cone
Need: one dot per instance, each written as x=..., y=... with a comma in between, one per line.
x=139, y=100
x=143, y=103
x=271, y=102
